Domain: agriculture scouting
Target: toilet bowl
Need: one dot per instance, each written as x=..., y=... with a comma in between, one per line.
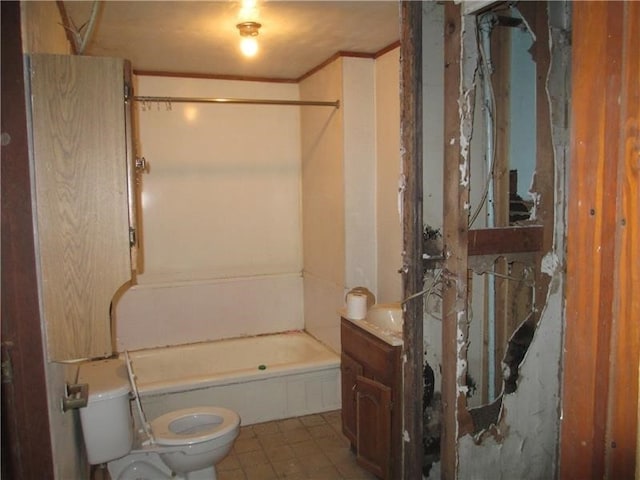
x=183, y=444
x=205, y=435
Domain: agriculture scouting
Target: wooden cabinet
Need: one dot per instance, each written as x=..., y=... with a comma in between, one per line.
x=83, y=177
x=371, y=399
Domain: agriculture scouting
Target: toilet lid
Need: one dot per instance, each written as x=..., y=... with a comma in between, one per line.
x=193, y=425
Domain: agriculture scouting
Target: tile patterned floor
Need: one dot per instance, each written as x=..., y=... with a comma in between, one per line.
x=309, y=448
x=303, y=448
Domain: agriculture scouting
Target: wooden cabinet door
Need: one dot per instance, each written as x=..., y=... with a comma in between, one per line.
x=81, y=198
x=350, y=370
x=373, y=426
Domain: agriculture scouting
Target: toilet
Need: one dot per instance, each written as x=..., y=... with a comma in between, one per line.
x=183, y=444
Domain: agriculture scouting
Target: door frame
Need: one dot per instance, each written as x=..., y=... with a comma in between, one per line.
x=25, y=413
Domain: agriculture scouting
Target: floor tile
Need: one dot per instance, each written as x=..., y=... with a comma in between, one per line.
x=243, y=445
x=312, y=420
x=251, y=459
x=311, y=447
x=260, y=472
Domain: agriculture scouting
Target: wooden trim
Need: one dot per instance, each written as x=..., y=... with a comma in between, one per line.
x=602, y=336
x=491, y=241
x=412, y=272
x=341, y=54
x=211, y=76
x=454, y=233
x=387, y=49
x=26, y=439
x=244, y=78
x=319, y=67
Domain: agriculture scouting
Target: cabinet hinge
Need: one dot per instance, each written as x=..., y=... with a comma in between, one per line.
x=7, y=371
x=128, y=91
x=132, y=237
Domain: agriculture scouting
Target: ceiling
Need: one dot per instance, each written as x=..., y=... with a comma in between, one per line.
x=201, y=37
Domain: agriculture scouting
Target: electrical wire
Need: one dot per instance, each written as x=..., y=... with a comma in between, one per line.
x=492, y=107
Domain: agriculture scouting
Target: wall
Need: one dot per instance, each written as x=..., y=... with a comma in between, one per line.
x=351, y=162
x=220, y=215
x=388, y=221
x=359, y=114
x=224, y=256
x=323, y=200
x=42, y=32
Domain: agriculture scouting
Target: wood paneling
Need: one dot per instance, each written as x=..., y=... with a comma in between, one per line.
x=81, y=198
x=600, y=387
x=622, y=428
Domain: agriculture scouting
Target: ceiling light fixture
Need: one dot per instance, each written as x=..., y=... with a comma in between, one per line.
x=249, y=43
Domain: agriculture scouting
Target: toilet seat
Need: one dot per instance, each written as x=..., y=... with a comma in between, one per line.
x=193, y=425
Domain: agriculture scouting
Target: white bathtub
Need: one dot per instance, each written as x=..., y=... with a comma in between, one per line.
x=263, y=378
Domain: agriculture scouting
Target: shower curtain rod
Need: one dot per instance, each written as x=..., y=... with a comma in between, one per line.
x=252, y=101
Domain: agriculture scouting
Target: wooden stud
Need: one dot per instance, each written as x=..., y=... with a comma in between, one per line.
x=412, y=276
x=490, y=241
x=454, y=233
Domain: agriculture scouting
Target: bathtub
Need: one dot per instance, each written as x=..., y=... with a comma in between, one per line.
x=263, y=378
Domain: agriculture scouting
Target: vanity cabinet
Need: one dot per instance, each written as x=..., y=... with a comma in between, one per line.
x=371, y=399
x=84, y=181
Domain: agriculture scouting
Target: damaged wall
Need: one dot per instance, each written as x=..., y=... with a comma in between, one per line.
x=523, y=443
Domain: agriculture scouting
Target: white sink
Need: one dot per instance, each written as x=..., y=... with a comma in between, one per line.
x=387, y=316
x=383, y=320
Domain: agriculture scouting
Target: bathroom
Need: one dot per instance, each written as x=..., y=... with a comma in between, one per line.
x=532, y=413
x=294, y=280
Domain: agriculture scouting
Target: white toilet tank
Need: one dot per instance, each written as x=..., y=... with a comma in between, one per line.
x=107, y=424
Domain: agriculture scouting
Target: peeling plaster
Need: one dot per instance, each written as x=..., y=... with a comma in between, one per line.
x=550, y=263
x=464, y=173
x=535, y=197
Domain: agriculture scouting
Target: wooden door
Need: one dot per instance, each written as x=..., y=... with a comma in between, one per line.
x=26, y=437
x=79, y=131
x=373, y=425
x=350, y=370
